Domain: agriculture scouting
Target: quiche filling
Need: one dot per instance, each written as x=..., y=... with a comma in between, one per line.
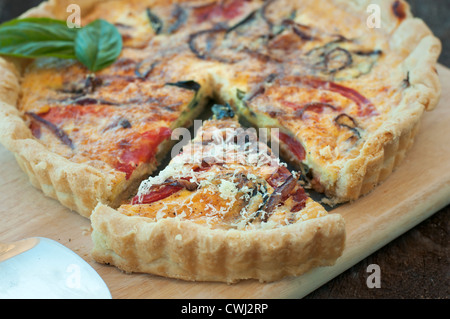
x=112, y=122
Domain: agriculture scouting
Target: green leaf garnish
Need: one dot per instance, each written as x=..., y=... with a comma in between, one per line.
x=37, y=37
x=155, y=21
x=98, y=45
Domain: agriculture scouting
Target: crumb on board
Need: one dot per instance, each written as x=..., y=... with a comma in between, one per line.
x=86, y=230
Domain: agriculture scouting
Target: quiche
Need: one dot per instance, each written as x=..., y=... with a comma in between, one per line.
x=224, y=209
x=344, y=96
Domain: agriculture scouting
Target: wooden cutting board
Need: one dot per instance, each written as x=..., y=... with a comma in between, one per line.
x=415, y=191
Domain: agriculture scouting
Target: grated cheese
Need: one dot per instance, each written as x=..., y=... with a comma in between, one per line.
x=234, y=168
x=227, y=189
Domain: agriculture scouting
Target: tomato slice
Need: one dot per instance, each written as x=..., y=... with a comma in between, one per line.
x=279, y=177
x=300, y=198
x=223, y=9
x=140, y=149
x=294, y=146
x=366, y=108
x=204, y=166
x=59, y=114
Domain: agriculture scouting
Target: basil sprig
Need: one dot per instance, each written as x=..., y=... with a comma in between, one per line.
x=96, y=45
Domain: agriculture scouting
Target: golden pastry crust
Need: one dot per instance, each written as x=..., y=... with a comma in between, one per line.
x=189, y=251
x=386, y=148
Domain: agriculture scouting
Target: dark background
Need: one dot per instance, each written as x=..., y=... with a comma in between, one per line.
x=415, y=265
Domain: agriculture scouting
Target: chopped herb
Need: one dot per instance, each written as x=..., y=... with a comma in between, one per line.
x=155, y=21
x=240, y=94
x=222, y=111
x=345, y=120
x=145, y=67
x=406, y=83
x=180, y=15
x=124, y=123
x=244, y=21
x=188, y=85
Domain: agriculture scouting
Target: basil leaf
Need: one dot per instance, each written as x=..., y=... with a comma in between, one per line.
x=37, y=37
x=98, y=44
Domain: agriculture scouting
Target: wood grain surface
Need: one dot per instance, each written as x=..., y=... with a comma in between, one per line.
x=415, y=191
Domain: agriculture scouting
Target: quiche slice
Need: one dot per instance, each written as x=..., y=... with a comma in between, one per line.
x=224, y=209
x=346, y=98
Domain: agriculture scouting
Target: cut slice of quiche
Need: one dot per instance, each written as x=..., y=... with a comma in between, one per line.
x=224, y=209
x=116, y=123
